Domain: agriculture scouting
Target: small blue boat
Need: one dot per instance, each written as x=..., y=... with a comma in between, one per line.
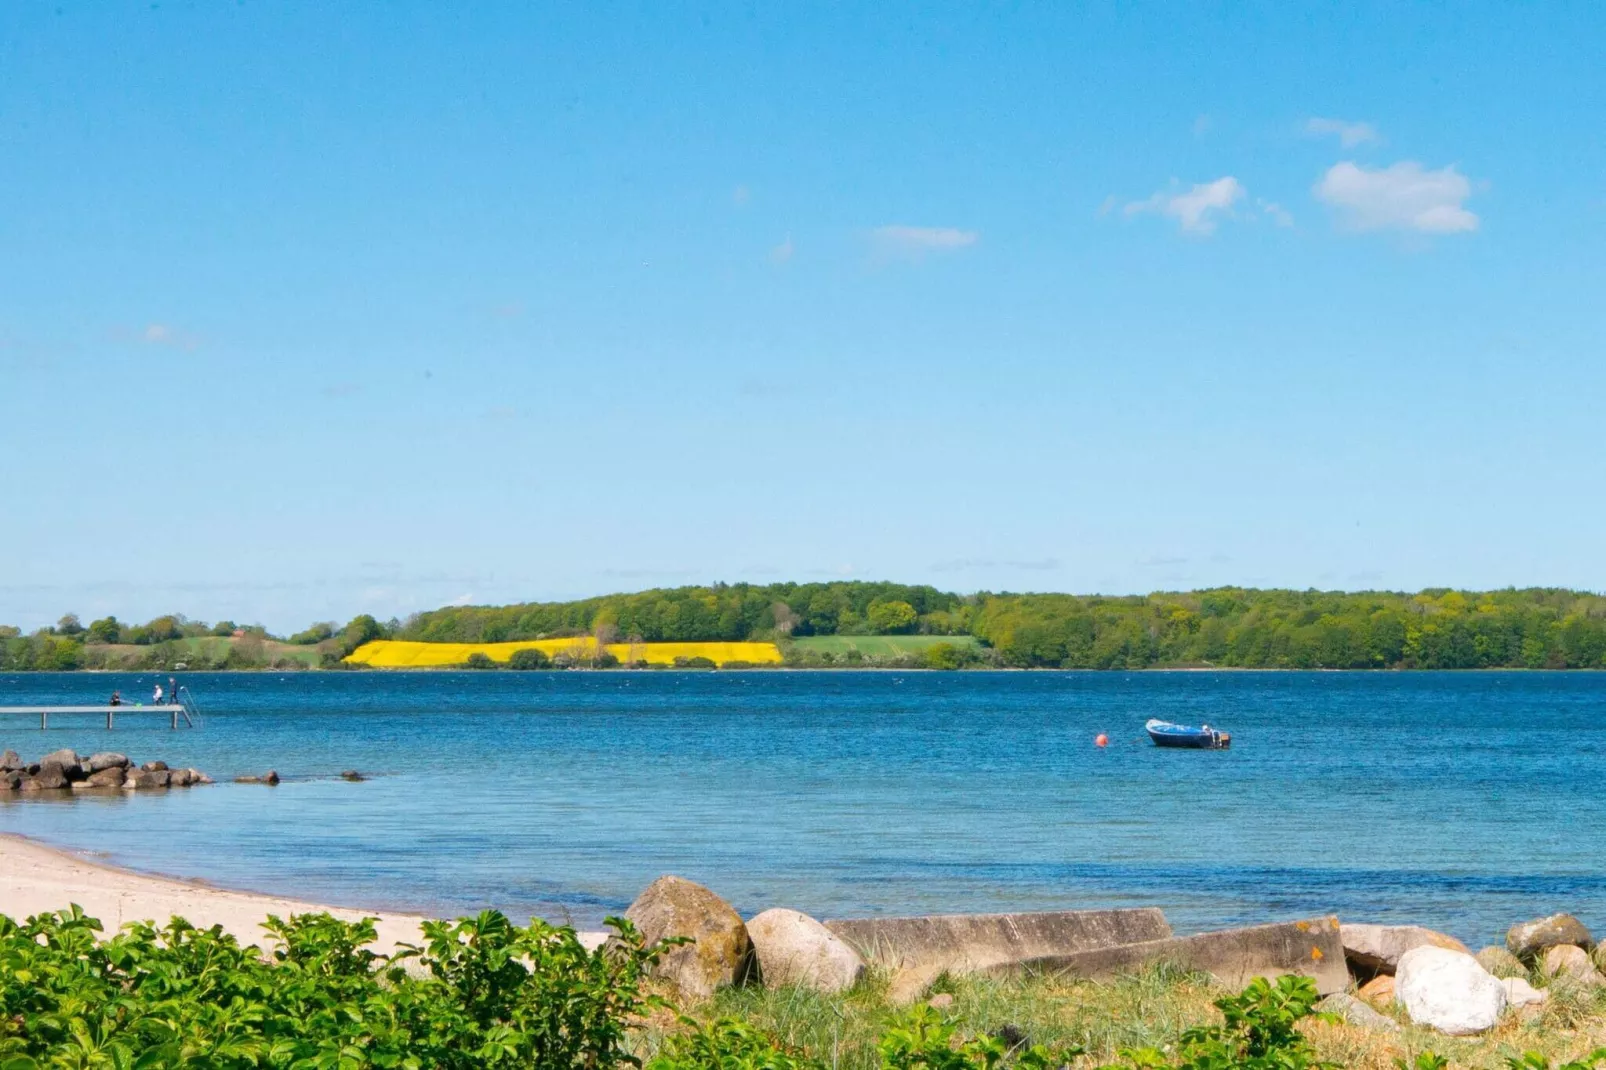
x=1166, y=734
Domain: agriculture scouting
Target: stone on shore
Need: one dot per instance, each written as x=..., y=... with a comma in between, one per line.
x=794, y=949
x=66, y=758
x=1379, y=991
x=1356, y=1013
x=10, y=761
x=720, y=953
x=1519, y=993
x=106, y=759
x=154, y=767
x=1377, y=948
x=1571, y=962
x=1448, y=991
x=1529, y=940
x=1500, y=962
x=352, y=775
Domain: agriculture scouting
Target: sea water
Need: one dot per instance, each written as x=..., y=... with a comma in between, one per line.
x=1462, y=801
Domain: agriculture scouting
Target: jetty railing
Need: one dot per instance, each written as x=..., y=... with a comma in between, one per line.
x=184, y=708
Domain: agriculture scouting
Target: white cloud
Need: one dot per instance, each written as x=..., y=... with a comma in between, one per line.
x=162, y=334
x=914, y=243
x=1195, y=210
x=1349, y=134
x=782, y=253
x=1277, y=213
x=1404, y=196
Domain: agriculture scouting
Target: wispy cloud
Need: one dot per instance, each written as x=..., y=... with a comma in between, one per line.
x=916, y=243
x=1162, y=562
x=1404, y=196
x=741, y=195
x=782, y=253
x=1349, y=133
x=968, y=564
x=1202, y=125
x=164, y=334
x=1276, y=213
x=1196, y=210
x=341, y=390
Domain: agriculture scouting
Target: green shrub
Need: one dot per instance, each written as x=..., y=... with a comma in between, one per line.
x=529, y=658
x=487, y=994
x=695, y=663
x=479, y=660
x=1260, y=1033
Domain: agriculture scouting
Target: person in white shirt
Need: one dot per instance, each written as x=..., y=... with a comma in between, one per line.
x=156, y=698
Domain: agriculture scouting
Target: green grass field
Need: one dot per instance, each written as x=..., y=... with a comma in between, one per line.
x=878, y=646
x=214, y=647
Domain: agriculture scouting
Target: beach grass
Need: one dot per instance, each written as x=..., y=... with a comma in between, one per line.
x=1149, y=1008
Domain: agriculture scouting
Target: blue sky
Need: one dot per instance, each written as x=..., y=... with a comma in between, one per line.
x=310, y=309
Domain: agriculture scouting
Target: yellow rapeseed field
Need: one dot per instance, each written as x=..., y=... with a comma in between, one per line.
x=402, y=654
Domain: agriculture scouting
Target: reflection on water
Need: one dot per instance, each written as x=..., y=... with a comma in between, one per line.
x=1462, y=801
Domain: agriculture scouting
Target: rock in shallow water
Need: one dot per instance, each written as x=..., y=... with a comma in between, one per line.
x=720, y=953
x=1448, y=991
x=1528, y=940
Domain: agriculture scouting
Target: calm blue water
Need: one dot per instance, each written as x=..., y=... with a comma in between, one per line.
x=1461, y=801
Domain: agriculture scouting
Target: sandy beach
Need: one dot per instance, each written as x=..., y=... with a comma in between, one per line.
x=35, y=878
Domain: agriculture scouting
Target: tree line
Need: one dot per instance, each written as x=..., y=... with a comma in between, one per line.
x=1228, y=627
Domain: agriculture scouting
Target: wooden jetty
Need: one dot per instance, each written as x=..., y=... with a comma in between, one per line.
x=174, y=710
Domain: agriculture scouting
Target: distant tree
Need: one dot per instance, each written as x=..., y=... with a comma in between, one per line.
x=161, y=630
x=362, y=629
x=223, y=628
x=529, y=658
x=69, y=625
x=943, y=656
x=315, y=634
x=479, y=660
x=105, y=630
x=892, y=618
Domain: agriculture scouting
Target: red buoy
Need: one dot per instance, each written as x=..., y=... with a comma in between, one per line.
x=1101, y=740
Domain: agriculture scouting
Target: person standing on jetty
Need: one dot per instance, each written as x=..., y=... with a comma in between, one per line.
x=156, y=696
x=172, y=690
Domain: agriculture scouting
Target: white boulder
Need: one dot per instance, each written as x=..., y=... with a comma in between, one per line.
x=794, y=949
x=1448, y=991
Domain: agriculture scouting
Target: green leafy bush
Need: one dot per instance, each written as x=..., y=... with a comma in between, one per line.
x=529, y=658
x=481, y=993
x=1260, y=1033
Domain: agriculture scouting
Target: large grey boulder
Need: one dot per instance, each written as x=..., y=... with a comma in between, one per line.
x=10, y=761
x=794, y=949
x=49, y=778
x=720, y=953
x=106, y=778
x=1448, y=991
x=66, y=758
x=1377, y=948
x=104, y=760
x=1528, y=940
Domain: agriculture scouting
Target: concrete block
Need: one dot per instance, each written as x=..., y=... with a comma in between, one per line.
x=1310, y=948
x=965, y=943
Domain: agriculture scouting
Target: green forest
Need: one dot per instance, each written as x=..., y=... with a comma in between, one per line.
x=1537, y=628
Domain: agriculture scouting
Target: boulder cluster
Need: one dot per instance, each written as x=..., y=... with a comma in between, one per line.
x=775, y=948
x=66, y=770
x=1441, y=984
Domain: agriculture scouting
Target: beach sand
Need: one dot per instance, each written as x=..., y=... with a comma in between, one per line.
x=35, y=878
